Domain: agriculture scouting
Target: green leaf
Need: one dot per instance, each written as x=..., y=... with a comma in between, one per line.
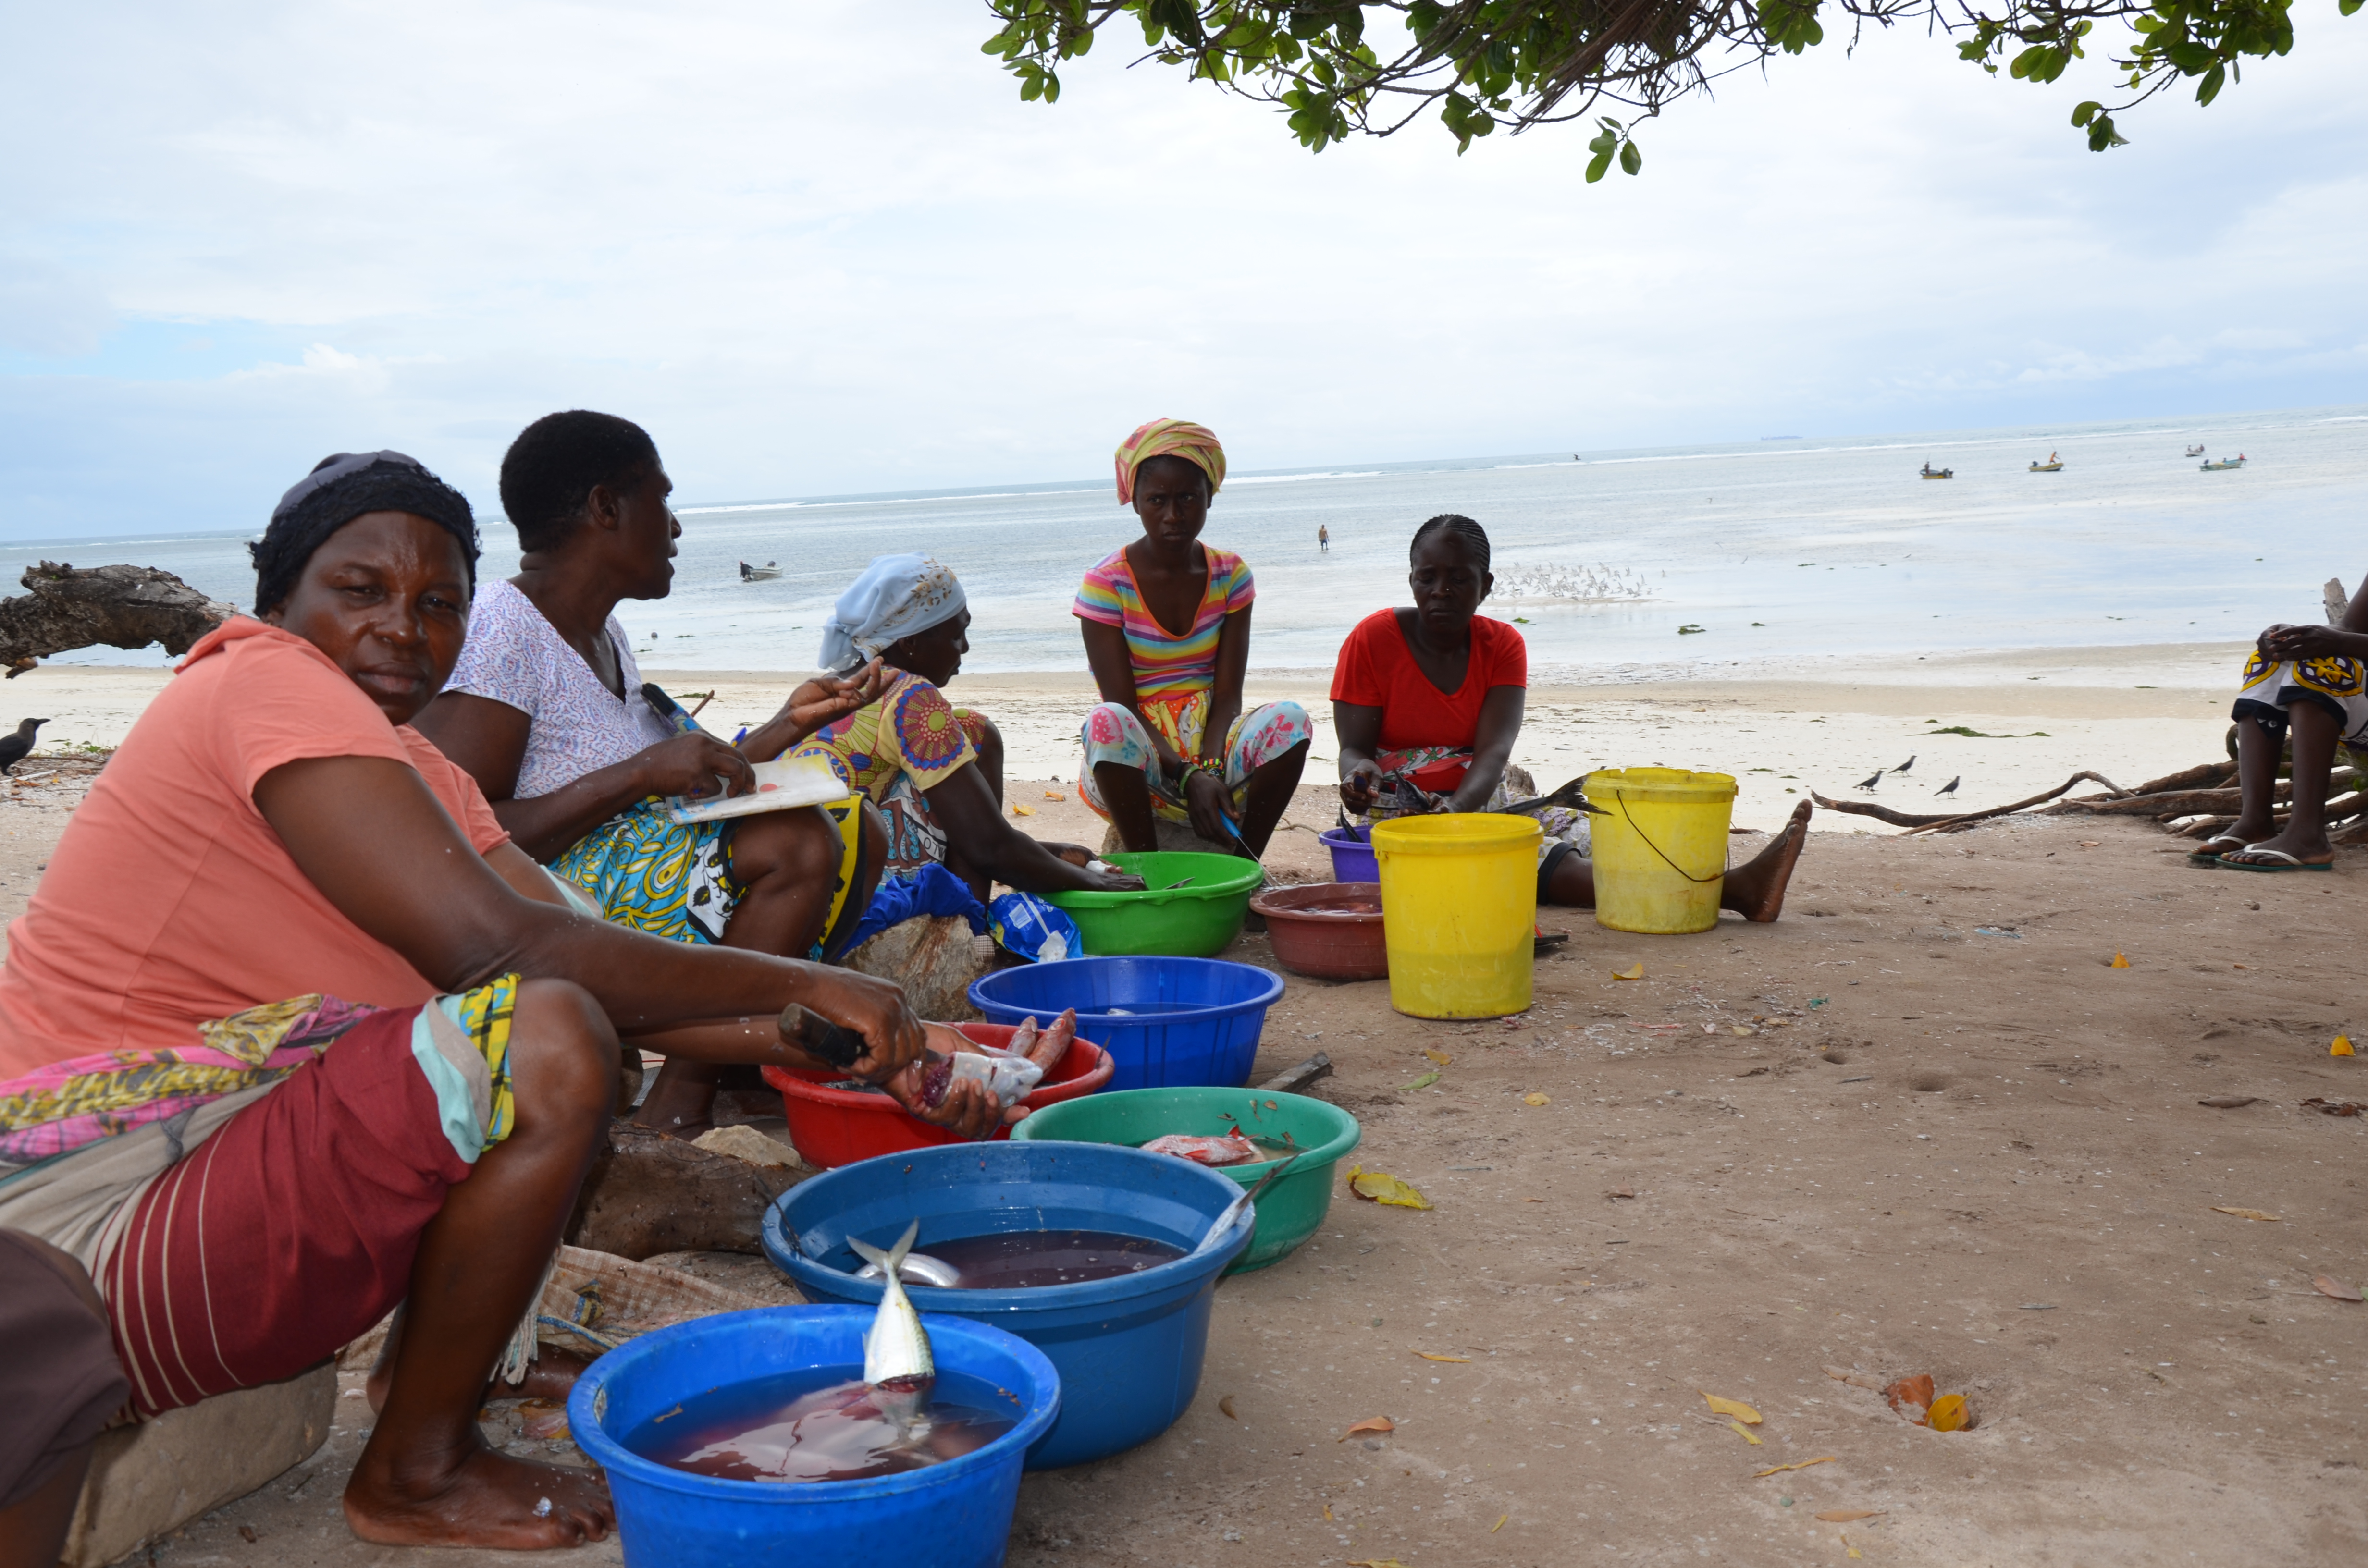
x=2084, y=112
x=1597, y=166
x=2209, y=88
x=1632, y=159
x=2348, y=6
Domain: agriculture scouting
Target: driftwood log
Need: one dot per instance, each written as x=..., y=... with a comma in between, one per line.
x=1946, y=821
x=120, y=606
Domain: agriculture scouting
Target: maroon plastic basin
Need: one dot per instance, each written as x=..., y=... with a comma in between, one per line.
x=1329, y=931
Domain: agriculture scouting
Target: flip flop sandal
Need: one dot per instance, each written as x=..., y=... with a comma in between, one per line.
x=2206, y=854
x=2278, y=860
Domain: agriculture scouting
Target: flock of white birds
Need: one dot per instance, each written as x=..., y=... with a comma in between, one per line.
x=1597, y=583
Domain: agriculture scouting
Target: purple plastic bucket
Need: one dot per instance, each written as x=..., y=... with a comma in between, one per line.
x=1352, y=854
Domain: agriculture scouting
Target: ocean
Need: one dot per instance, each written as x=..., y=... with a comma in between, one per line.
x=1790, y=554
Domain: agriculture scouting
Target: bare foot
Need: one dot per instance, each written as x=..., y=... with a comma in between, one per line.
x=681, y=1104
x=1756, y=891
x=485, y=1499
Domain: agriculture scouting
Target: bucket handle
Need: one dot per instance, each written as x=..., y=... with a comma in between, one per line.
x=1656, y=849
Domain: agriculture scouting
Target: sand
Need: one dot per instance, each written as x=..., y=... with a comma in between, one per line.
x=1949, y=1139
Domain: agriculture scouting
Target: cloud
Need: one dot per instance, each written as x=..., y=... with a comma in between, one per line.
x=824, y=248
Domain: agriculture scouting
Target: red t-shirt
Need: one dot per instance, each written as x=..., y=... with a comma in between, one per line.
x=170, y=901
x=1376, y=669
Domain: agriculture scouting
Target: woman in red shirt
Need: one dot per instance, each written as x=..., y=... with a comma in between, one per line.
x=1427, y=702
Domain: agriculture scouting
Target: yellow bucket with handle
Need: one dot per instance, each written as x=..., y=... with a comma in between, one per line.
x=1660, y=847
x=1459, y=913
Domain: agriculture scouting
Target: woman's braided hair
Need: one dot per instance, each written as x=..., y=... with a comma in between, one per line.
x=1475, y=537
x=341, y=488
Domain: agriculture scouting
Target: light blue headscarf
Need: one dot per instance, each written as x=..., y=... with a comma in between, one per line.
x=896, y=596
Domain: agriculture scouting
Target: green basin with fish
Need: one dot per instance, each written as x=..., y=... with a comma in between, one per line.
x=1289, y=1211
x=1195, y=920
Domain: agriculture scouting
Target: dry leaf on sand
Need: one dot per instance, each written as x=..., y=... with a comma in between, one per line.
x=2245, y=1213
x=1426, y=1081
x=1535, y=1100
x=1429, y=1357
x=2336, y=1289
x=1844, y=1515
x=1779, y=1469
x=1020, y=811
x=1633, y=972
x=1744, y=1433
x=2120, y=962
x=1389, y=1189
x=2342, y=1046
x=1327, y=1515
x=1438, y=1056
x=2335, y=1108
x=2231, y=1102
x=1226, y=1404
x=1055, y=795
x=1371, y=1424
x=1499, y=1524
x=1622, y=1192
x=1856, y=1380
x=1911, y=1396
x=1949, y=1412
x=1375, y=1562
x=1733, y=1407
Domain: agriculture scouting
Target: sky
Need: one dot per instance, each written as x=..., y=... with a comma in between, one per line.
x=822, y=249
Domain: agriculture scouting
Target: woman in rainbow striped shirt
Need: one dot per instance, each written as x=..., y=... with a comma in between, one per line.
x=1167, y=623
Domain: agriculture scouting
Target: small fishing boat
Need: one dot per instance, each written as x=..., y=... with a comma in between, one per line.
x=1928, y=472
x=2213, y=465
x=2053, y=465
x=2196, y=450
x=764, y=573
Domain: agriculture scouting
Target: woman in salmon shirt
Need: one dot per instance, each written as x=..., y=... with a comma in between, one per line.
x=1166, y=624
x=1427, y=704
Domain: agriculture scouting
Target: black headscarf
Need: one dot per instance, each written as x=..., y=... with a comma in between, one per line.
x=340, y=488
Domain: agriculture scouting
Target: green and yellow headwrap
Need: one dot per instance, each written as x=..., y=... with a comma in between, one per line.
x=1169, y=439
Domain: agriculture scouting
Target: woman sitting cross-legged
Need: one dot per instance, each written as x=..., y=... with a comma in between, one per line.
x=547, y=712
x=1427, y=704
x=292, y=1032
x=1167, y=623
x=934, y=770
x=2306, y=682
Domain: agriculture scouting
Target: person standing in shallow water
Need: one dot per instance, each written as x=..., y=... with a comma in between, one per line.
x=1167, y=627
x=1427, y=704
x=1323, y=537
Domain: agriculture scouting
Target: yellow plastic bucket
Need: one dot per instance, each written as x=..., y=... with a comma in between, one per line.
x=1660, y=854
x=1459, y=913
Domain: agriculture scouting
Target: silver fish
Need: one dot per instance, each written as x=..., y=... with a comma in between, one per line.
x=921, y=1269
x=896, y=1361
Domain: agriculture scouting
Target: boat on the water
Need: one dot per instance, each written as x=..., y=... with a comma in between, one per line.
x=2053, y=465
x=764, y=573
x=2196, y=450
x=1928, y=472
x=2213, y=465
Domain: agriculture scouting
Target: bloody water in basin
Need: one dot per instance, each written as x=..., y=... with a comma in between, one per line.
x=817, y=1424
x=1021, y=1260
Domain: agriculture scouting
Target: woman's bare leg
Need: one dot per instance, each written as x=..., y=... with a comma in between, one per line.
x=1126, y=795
x=789, y=862
x=427, y=1478
x=2314, y=732
x=1268, y=796
x=1755, y=890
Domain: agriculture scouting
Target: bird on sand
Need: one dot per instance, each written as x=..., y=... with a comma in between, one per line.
x=1872, y=780
x=1905, y=766
x=14, y=747
x=1950, y=787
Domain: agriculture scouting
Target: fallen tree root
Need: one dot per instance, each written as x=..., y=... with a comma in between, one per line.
x=121, y=606
x=1925, y=823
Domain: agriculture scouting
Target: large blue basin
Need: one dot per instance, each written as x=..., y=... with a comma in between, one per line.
x=1128, y=1350
x=955, y=1514
x=1179, y=1023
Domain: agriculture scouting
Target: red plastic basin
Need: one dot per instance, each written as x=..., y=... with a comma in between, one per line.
x=837, y=1127
x=1331, y=930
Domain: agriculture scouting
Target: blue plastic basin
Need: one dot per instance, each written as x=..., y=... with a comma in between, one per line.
x=955, y=1514
x=1128, y=1349
x=1186, y=1021
x=1352, y=854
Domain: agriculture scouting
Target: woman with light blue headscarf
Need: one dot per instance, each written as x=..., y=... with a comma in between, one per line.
x=934, y=770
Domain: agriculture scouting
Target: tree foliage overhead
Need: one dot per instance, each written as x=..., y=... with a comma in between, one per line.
x=1491, y=64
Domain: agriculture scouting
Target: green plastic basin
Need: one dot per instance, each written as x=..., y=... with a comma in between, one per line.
x=1288, y=1212
x=1194, y=921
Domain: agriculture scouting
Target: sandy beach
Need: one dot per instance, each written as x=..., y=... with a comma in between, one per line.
x=1917, y=1125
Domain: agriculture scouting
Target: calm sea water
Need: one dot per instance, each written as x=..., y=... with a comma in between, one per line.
x=1834, y=548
